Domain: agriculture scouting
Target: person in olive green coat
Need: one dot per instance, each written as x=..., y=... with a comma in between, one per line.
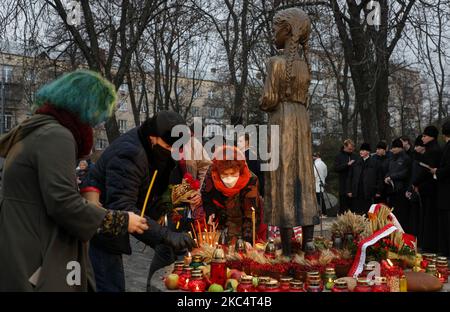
x=45, y=224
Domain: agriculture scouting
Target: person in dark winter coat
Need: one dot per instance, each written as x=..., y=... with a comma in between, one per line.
x=382, y=159
x=45, y=224
x=82, y=172
x=443, y=180
x=122, y=176
x=426, y=184
x=342, y=165
x=364, y=181
x=253, y=163
x=407, y=147
x=397, y=182
x=416, y=214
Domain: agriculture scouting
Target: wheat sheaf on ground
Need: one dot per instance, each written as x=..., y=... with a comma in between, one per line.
x=349, y=222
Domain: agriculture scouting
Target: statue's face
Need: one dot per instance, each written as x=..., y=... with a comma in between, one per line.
x=281, y=35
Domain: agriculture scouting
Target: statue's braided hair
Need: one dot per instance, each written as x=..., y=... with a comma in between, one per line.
x=300, y=25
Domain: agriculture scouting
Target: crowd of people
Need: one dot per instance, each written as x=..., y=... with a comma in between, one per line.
x=53, y=215
x=412, y=179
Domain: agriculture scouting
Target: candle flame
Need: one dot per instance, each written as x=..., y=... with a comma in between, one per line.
x=189, y=254
x=253, y=209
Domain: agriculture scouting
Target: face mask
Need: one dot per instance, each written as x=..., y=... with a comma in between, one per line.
x=160, y=155
x=230, y=181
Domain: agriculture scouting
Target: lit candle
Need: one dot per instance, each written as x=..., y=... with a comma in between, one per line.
x=254, y=226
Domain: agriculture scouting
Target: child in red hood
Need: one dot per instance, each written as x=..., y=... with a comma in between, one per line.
x=229, y=192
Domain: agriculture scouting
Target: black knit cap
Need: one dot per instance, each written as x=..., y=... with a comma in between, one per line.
x=382, y=145
x=397, y=143
x=431, y=131
x=446, y=128
x=161, y=124
x=365, y=147
x=419, y=141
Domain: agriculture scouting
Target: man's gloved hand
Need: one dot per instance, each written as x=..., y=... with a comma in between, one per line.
x=178, y=241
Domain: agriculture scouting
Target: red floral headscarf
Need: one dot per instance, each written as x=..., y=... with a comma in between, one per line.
x=229, y=154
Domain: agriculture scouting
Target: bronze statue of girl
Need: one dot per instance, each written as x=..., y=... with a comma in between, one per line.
x=290, y=198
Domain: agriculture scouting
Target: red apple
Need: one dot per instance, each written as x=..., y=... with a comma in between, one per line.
x=172, y=281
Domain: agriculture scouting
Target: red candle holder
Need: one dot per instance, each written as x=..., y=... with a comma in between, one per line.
x=184, y=278
x=246, y=284
x=362, y=285
x=196, y=283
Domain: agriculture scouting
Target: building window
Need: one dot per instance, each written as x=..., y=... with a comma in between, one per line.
x=195, y=111
x=123, y=125
x=215, y=112
x=101, y=144
x=210, y=94
x=143, y=108
x=8, y=122
x=6, y=73
x=122, y=106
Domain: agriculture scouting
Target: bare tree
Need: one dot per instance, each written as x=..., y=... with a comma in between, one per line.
x=368, y=48
x=430, y=42
x=108, y=36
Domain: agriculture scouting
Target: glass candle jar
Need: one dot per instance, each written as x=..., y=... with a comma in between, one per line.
x=178, y=267
x=196, y=283
x=262, y=281
x=329, y=277
x=442, y=269
x=218, y=267
x=184, y=278
x=362, y=285
x=240, y=246
x=314, y=286
x=340, y=286
x=285, y=283
x=337, y=242
x=296, y=286
x=313, y=277
x=429, y=257
x=246, y=284
x=271, y=249
x=380, y=284
x=403, y=284
x=431, y=269
x=272, y=286
x=196, y=261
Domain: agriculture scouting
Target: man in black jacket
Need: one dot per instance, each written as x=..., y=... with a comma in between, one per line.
x=406, y=141
x=364, y=181
x=443, y=180
x=122, y=175
x=342, y=165
x=253, y=163
x=426, y=184
x=397, y=182
x=382, y=159
x=416, y=214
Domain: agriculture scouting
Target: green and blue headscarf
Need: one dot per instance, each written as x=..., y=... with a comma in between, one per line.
x=83, y=92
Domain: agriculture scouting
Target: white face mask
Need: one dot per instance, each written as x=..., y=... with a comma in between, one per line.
x=230, y=181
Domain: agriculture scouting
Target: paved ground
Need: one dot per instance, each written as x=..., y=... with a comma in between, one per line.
x=137, y=265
